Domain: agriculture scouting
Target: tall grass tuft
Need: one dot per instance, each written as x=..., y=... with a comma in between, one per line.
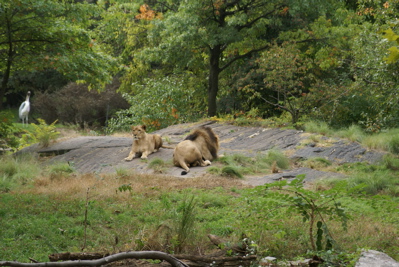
x=231, y=171
x=185, y=223
x=157, y=164
x=277, y=156
x=59, y=170
x=353, y=133
x=320, y=127
x=374, y=182
x=387, y=141
x=18, y=170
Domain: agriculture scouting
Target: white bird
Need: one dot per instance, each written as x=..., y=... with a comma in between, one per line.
x=24, y=109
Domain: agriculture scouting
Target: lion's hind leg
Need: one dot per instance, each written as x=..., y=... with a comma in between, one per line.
x=205, y=163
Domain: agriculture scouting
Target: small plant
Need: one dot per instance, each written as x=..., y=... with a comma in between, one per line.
x=317, y=163
x=8, y=137
x=319, y=127
x=185, y=223
x=231, y=171
x=43, y=134
x=125, y=187
x=314, y=207
x=62, y=168
x=18, y=170
x=157, y=164
x=121, y=173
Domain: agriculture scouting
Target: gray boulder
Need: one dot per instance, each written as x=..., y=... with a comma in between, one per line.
x=373, y=258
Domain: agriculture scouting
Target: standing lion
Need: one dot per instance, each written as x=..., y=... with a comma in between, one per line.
x=198, y=149
x=143, y=143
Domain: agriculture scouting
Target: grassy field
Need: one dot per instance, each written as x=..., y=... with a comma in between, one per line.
x=43, y=211
x=53, y=209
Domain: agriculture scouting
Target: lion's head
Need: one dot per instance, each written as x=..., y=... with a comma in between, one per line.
x=138, y=132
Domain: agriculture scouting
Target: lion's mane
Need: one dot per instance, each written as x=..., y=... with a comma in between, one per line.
x=198, y=149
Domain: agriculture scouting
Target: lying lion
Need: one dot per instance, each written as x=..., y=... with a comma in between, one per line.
x=198, y=149
x=144, y=144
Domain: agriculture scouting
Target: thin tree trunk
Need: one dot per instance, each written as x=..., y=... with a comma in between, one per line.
x=213, y=86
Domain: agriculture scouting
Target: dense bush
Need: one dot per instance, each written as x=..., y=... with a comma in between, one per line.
x=75, y=104
x=161, y=102
x=8, y=139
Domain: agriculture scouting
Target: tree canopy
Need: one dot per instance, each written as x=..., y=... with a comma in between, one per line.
x=335, y=61
x=47, y=34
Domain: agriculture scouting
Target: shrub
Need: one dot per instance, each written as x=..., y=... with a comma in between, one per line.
x=42, y=134
x=159, y=103
x=8, y=139
x=75, y=104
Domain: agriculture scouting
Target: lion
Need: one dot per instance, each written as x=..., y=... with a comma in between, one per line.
x=198, y=149
x=144, y=144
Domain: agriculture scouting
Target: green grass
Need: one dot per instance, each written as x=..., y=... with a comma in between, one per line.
x=38, y=219
x=18, y=171
x=387, y=140
x=42, y=208
x=237, y=165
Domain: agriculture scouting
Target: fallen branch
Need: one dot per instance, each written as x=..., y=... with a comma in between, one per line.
x=70, y=256
x=152, y=255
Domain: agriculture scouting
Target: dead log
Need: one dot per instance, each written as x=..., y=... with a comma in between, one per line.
x=152, y=255
x=68, y=256
x=225, y=261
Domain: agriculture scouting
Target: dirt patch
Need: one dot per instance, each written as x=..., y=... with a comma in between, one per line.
x=105, y=154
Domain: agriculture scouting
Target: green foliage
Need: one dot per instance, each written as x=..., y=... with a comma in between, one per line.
x=289, y=75
x=8, y=138
x=61, y=169
x=185, y=221
x=40, y=224
x=16, y=171
x=159, y=103
x=373, y=180
x=387, y=141
x=43, y=134
x=231, y=171
x=314, y=207
x=393, y=51
x=317, y=127
x=354, y=133
x=237, y=165
x=157, y=164
x=52, y=35
x=317, y=163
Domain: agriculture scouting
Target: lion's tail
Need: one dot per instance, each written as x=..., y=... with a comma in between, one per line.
x=183, y=164
x=170, y=147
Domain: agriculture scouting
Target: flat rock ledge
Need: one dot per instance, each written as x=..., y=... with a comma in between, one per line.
x=105, y=154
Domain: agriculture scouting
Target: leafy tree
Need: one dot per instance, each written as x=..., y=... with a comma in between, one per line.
x=221, y=33
x=214, y=32
x=50, y=34
x=290, y=75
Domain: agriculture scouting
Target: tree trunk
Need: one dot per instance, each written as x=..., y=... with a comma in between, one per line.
x=213, y=83
x=7, y=71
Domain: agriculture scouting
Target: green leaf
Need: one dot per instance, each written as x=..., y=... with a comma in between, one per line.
x=393, y=55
